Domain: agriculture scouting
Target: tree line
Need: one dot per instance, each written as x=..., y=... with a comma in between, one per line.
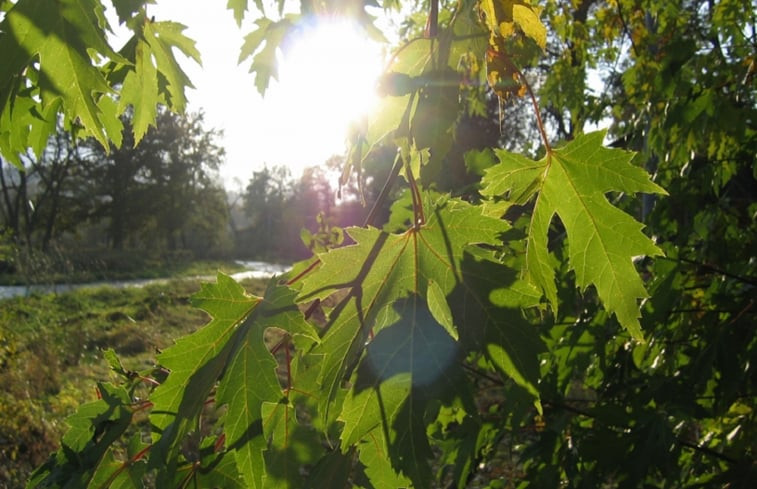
x=78, y=203
x=163, y=196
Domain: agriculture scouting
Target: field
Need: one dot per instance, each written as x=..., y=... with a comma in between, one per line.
x=51, y=355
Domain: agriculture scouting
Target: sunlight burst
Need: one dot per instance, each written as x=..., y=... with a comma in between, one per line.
x=327, y=78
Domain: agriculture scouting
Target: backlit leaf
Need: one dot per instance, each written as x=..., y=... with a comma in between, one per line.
x=571, y=182
x=383, y=268
x=489, y=303
x=502, y=16
x=127, y=8
x=405, y=366
x=197, y=361
x=527, y=18
x=251, y=380
x=140, y=89
x=62, y=34
x=163, y=37
x=262, y=44
x=86, y=455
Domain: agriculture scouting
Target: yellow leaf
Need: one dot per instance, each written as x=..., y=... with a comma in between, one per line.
x=527, y=19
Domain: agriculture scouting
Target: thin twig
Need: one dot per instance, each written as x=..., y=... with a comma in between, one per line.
x=419, y=217
x=537, y=110
x=715, y=269
x=384, y=191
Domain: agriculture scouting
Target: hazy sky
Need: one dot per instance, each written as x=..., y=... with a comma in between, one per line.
x=302, y=119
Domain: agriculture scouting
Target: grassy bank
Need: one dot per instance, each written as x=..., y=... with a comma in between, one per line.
x=51, y=356
x=107, y=265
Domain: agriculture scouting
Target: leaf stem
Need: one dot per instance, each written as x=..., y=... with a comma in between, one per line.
x=128, y=463
x=419, y=219
x=384, y=191
x=537, y=110
x=307, y=270
x=288, y=365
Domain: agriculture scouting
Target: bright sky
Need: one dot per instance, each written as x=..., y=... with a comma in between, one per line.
x=327, y=79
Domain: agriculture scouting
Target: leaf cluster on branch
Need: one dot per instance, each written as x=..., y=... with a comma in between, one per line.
x=504, y=316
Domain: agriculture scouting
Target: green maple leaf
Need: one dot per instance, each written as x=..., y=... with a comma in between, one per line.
x=489, y=302
x=140, y=90
x=239, y=7
x=335, y=469
x=196, y=362
x=230, y=348
x=61, y=34
x=127, y=8
x=27, y=125
x=163, y=37
x=571, y=182
x=262, y=44
x=251, y=381
x=219, y=473
x=405, y=366
x=382, y=268
x=290, y=445
x=374, y=456
x=116, y=473
x=414, y=352
x=86, y=454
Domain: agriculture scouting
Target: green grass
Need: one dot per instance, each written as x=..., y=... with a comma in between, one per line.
x=114, y=266
x=51, y=356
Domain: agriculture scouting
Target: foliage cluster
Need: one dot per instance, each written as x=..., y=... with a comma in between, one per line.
x=521, y=314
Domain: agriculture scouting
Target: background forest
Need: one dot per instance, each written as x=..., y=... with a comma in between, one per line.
x=78, y=210
x=546, y=369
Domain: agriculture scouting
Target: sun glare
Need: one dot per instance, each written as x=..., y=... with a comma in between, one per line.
x=327, y=78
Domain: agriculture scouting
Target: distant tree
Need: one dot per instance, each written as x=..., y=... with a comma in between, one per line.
x=206, y=232
x=147, y=193
x=35, y=205
x=264, y=201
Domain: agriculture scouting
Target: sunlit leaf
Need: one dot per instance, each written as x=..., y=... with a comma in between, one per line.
x=527, y=18
x=163, y=37
x=383, y=268
x=490, y=302
x=262, y=44
x=406, y=365
x=140, y=89
x=239, y=7
x=251, y=379
x=61, y=34
x=197, y=361
x=571, y=182
x=87, y=452
x=127, y=8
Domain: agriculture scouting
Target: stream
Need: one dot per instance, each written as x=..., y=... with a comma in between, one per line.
x=254, y=269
